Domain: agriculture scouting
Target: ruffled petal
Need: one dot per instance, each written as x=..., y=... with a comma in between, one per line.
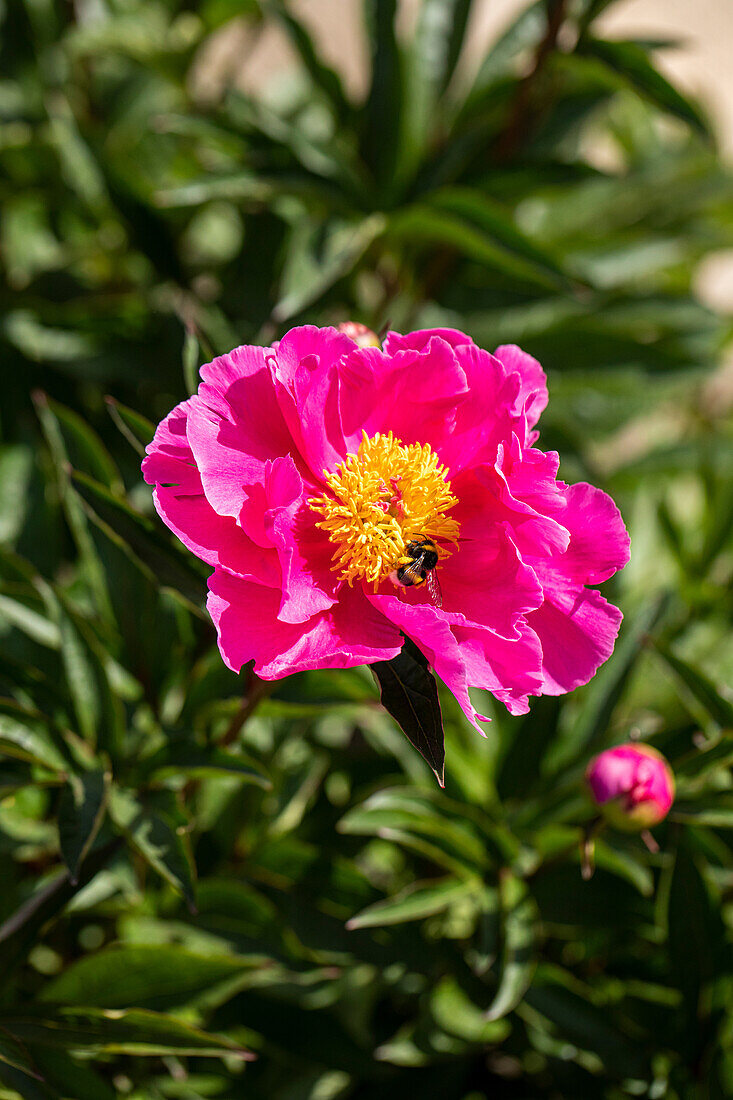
x=486, y=500
x=486, y=582
x=434, y=387
x=305, y=371
x=432, y=635
x=533, y=397
x=412, y=393
x=466, y=655
x=350, y=633
x=420, y=338
x=511, y=669
x=577, y=629
x=485, y=417
x=309, y=585
x=599, y=543
x=234, y=428
x=181, y=504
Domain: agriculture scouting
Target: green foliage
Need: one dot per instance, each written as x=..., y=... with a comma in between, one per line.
x=198, y=867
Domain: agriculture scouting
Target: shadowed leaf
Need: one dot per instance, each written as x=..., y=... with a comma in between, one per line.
x=409, y=693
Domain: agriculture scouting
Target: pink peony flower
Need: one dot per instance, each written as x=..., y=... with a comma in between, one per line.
x=632, y=785
x=326, y=481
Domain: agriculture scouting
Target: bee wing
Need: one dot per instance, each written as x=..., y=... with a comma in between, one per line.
x=434, y=588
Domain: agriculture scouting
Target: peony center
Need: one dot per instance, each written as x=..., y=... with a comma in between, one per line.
x=382, y=498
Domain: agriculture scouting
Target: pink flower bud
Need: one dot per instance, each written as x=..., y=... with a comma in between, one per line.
x=360, y=334
x=632, y=785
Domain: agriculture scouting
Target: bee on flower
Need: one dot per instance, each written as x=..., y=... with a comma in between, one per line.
x=342, y=507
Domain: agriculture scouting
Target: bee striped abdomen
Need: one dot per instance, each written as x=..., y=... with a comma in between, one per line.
x=418, y=566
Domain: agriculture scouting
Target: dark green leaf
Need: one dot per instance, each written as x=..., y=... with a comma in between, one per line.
x=13, y=1053
x=115, y=1031
x=382, y=115
x=21, y=930
x=603, y=694
x=459, y=1015
x=315, y=262
x=631, y=62
x=80, y=814
x=712, y=701
x=135, y=427
x=194, y=761
x=586, y=1025
x=173, y=568
x=25, y=1086
x=428, y=225
x=519, y=924
x=59, y=1068
x=159, y=976
x=693, y=918
x=191, y=361
x=158, y=838
x=97, y=707
x=24, y=738
x=409, y=693
x=413, y=903
x=74, y=512
x=324, y=78
x=409, y=817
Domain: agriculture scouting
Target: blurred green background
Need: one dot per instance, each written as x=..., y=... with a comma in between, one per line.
x=187, y=877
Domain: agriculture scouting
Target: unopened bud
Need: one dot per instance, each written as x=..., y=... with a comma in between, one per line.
x=360, y=334
x=632, y=785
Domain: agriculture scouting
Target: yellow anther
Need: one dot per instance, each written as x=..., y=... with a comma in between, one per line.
x=381, y=499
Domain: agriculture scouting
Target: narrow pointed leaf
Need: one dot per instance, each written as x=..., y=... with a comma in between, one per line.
x=195, y=761
x=325, y=79
x=414, y=903
x=382, y=118
x=631, y=62
x=518, y=961
x=154, y=976
x=80, y=815
x=116, y=1031
x=158, y=839
x=409, y=693
x=135, y=427
x=172, y=567
x=700, y=687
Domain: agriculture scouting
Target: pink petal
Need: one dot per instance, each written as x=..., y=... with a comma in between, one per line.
x=181, y=504
x=459, y=399
x=432, y=634
x=466, y=655
x=412, y=394
x=305, y=371
x=245, y=615
x=577, y=629
x=486, y=582
x=509, y=668
x=599, y=542
x=420, y=338
x=309, y=584
x=485, y=501
x=533, y=395
x=234, y=428
x=485, y=417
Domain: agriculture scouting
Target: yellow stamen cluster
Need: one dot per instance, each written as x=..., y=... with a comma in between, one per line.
x=380, y=499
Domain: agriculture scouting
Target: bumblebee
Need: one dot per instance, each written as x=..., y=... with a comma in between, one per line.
x=418, y=567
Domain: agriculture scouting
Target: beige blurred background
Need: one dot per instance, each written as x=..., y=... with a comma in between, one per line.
x=701, y=64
